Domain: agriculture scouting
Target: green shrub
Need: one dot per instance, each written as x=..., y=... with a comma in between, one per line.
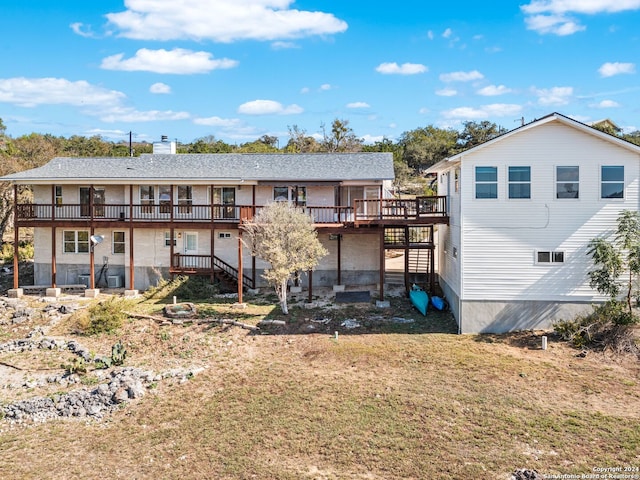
x=25, y=252
x=106, y=317
x=183, y=287
x=77, y=365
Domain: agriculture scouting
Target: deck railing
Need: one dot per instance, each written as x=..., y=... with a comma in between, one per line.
x=206, y=264
x=363, y=210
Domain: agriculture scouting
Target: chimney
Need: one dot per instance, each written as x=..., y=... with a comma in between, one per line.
x=164, y=146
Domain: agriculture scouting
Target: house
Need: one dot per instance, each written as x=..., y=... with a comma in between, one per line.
x=128, y=222
x=522, y=210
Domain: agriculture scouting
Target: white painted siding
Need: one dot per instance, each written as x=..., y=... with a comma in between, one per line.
x=500, y=236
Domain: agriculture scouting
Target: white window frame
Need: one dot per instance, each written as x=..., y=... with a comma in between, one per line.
x=224, y=235
x=115, y=242
x=167, y=239
x=518, y=182
x=558, y=182
x=556, y=257
x=611, y=182
x=75, y=242
x=485, y=182
x=58, y=195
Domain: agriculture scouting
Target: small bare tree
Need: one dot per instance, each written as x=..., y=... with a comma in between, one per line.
x=283, y=236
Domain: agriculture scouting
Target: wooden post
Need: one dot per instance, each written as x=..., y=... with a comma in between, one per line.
x=381, y=263
x=171, y=250
x=339, y=259
x=54, y=269
x=92, y=266
x=240, y=267
x=131, y=266
x=310, y=286
x=16, y=237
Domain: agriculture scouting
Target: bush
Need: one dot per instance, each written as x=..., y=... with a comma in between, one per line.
x=105, y=317
x=608, y=326
x=25, y=252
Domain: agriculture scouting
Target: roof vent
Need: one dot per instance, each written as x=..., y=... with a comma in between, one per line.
x=164, y=146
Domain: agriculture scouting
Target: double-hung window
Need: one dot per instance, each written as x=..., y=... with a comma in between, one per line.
x=612, y=182
x=117, y=242
x=147, y=198
x=185, y=198
x=75, y=241
x=486, y=182
x=519, y=182
x=58, y=195
x=567, y=182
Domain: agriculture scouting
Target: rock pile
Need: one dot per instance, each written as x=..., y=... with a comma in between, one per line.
x=125, y=384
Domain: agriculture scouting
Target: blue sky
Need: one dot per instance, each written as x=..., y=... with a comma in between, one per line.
x=241, y=69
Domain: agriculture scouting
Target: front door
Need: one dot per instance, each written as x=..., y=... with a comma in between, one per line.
x=372, y=208
x=190, y=249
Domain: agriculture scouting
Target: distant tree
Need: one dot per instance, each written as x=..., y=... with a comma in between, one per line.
x=300, y=142
x=283, y=236
x=615, y=257
x=341, y=138
x=426, y=146
x=402, y=172
x=208, y=144
x=262, y=145
x=79, y=146
x=475, y=133
x=633, y=137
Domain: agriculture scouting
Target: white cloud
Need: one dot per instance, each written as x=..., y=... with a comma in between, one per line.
x=358, y=105
x=447, y=33
x=217, y=122
x=446, y=92
x=392, y=68
x=554, y=96
x=284, y=45
x=430, y=35
x=371, y=139
x=160, y=88
x=268, y=107
x=82, y=30
x=484, y=112
x=461, y=76
x=125, y=114
x=605, y=104
x=556, y=24
x=304, y=90
x=176, y=61
x=221, y=20
x=589, y=7
x=493, y=90
x=30, y=92
x=610, y=69
x=325, y=87
x=554, y=16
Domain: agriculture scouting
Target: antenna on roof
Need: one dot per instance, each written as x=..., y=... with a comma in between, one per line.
x=521, y=120
x=130, y=144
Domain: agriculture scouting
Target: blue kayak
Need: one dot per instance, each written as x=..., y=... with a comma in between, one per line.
x=437, y=302
x=420, y=299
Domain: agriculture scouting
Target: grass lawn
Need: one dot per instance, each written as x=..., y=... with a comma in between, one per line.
x=382, y=401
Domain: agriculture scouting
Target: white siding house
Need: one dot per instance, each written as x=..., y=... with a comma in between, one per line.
x=523, y=208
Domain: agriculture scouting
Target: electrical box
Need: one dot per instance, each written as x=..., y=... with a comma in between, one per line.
x=84, y=280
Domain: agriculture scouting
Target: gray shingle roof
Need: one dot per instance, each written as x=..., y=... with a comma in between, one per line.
x=212, y=167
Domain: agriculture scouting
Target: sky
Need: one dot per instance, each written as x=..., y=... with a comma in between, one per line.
x=241, y=69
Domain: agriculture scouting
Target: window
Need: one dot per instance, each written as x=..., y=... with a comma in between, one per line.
x=224, y=200
x=75, y=241
x=296, y=195
x=167, y=239
x=58, y=195
x=224, y=235
x=519, y=182
x=456, y=183
x=612, y=182
x=567, y=182
x=164, y=197
x=147, y=198
x=117, y=242
x=486, y=182
x=546, y=256
x=185, y=198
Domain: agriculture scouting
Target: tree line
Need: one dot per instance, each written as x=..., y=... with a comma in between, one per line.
x=413, y=152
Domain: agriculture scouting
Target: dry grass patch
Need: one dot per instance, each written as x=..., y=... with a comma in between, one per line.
x=384, y=404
